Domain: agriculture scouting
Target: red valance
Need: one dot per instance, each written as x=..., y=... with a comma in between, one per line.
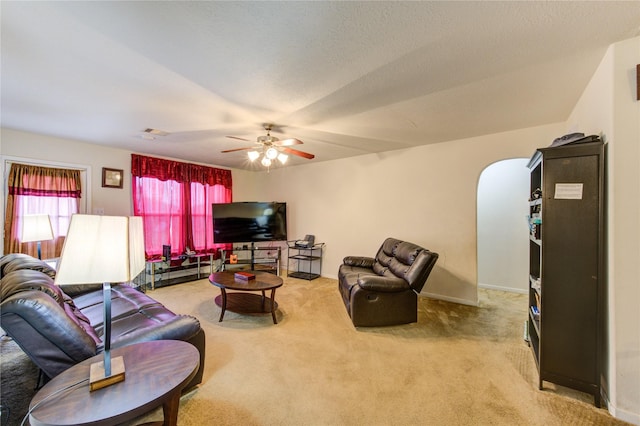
x=143, y=166
x=26, y=179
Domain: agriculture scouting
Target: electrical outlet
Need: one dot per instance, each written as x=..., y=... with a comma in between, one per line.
x=99, y=210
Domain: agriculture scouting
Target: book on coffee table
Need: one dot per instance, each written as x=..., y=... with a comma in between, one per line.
x=244, y=276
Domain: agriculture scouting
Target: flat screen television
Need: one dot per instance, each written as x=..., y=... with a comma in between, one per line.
x=249, y=222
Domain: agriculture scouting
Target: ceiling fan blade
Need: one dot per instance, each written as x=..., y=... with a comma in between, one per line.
x=240, y=139
x=237, y=149
x=288, y=142
x=298, y=153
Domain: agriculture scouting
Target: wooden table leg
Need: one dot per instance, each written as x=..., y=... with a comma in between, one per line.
x=224, y=303
x=273, y=304
x=170, y=410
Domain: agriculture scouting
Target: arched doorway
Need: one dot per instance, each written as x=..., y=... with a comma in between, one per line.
x=502, y=240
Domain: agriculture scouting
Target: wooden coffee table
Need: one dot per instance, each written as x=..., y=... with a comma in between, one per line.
x=243, y=302
x=156, y=373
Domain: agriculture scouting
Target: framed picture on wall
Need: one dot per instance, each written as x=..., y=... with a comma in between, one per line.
x=112, y=178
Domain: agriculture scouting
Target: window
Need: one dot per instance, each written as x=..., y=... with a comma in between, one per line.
x=175, y=201
x=40, y=190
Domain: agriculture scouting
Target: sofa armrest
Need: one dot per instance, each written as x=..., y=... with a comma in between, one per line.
x=359, y=261
x=41, y=328
x=382, y=284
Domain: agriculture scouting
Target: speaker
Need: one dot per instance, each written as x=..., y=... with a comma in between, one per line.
x=166, y=253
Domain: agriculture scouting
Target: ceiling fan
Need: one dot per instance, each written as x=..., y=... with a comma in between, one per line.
x=271, y=148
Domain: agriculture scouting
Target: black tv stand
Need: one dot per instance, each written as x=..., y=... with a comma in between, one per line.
x=263, y=259
x=188, y=268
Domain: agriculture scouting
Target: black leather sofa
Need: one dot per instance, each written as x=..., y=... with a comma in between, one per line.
x=384, y=290
x=57, y=327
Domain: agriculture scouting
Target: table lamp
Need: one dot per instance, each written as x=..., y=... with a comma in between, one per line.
x=102, y=249
x=36, y=227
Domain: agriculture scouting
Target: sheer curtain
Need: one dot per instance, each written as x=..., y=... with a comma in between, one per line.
x=174, y=199
x=40, y=190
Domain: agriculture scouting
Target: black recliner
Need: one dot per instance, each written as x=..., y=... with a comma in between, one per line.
x=384, y=290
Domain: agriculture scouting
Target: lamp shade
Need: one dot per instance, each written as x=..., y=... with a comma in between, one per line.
x=101, y=249
x=36, y=227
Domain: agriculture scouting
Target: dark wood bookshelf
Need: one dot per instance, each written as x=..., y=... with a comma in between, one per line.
x=566, y=266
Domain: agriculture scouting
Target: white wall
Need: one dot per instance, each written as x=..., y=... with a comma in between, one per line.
x=503, y=236
x=609, y=107
x=114, y=201
x=426, y=195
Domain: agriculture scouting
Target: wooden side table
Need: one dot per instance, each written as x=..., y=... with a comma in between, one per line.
x=156, y=373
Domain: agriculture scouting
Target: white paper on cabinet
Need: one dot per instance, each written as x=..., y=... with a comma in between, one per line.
x=568, y=191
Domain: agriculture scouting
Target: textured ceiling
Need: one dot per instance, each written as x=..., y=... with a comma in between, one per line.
x=347, y=78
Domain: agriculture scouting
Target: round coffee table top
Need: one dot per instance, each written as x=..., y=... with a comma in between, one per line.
x=153, y=370
x=262, y=281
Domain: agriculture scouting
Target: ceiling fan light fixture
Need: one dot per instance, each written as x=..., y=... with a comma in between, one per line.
x=268, y=149
x=271, y=153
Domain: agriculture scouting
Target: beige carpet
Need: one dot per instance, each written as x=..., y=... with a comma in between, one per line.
x=459, y=365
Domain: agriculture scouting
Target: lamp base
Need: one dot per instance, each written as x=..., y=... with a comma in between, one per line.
x=97, y=379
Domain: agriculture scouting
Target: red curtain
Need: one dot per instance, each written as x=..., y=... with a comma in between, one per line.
x=174, y=199
x=40, y=190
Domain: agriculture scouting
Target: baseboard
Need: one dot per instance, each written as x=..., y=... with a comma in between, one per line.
x=500, y=288
x=450, y=299
x=620, y=414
